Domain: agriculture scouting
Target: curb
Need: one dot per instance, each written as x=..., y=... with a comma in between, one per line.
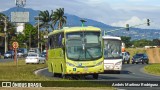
x=36, y=72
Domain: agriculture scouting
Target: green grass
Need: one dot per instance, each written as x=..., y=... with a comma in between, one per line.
x=133, y=51
x=9, y=71
x=153, y=69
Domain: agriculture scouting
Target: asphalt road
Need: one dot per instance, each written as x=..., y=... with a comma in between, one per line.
x=130, y=72
x=6, y=60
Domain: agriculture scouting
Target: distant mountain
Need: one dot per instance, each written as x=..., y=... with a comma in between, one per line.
x=72, y=20
x=32, y=12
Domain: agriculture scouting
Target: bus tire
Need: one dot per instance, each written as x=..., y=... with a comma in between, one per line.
x=63, y=74
x=54, y=74
x=95, y=76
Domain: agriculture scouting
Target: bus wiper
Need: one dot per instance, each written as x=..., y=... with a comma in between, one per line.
x=89, y=53
x=79, y=55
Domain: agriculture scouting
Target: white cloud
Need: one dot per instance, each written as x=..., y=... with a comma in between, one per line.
x=90, y=2
x=106, y=11
x=136, y=23
x=131, y=21
x=136, y=0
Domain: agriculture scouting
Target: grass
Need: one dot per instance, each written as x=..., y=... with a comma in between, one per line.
x=9, y=71
x=153, y=69
x=133, y=51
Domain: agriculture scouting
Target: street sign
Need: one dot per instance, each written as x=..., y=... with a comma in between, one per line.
x=20, y=17
x=15, y=44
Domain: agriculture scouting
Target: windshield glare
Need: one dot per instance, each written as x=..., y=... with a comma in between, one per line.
x=83, y=45
x=112, y=49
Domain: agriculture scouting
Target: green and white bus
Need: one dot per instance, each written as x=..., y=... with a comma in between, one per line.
x=76, y=51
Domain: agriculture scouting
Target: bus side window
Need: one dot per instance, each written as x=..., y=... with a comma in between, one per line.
x=53, y=38
x=50, y=42
x=53, y=42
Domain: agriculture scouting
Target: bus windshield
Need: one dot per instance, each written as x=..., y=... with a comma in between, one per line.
x=83, y=46
x=112, y=49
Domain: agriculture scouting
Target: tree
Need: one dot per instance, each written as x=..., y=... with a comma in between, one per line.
x=126, y=40
x=10, y=28
x=2, y=22
x=156, y=42
x=142, y=43
x=58, y=17
x=45, y=18
x=29, y=36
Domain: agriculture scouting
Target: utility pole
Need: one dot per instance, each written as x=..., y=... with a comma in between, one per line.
x=29, y=39
x=37, y=18
x=38, y=32
x=5, y=31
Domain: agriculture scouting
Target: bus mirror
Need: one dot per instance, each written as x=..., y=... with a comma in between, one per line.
x=63, y=41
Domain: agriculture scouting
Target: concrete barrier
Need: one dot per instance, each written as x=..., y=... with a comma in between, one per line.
x=153, y=55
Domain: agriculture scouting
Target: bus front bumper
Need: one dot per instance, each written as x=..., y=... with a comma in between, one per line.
x=86, y=70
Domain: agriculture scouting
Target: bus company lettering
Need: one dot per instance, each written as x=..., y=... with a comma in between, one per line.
x=14, y=84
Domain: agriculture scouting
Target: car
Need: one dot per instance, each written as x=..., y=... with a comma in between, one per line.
x=43, y=54
x=9, y=54
x=22, y=52
x=140, y=58
x=34, y=50
x=125, y=57
x=34, y=58
x=0, y=55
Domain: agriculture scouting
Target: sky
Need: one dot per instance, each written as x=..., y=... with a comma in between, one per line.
x=111, y=12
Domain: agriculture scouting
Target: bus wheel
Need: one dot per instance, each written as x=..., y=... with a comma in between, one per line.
x=95, y=76
x=52, y=71
x=63, y=74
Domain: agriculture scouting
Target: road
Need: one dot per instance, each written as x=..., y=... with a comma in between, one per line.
x=130, y=72
x=6, y=60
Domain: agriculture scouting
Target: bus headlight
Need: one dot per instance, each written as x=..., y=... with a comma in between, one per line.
x=70, y=64
x=100, y=63
x=118, y=63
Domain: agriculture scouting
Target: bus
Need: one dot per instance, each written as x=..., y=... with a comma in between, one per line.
x=112, y=53
x=76, y=51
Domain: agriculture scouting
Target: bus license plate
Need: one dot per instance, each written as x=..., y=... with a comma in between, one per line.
x=85, y=69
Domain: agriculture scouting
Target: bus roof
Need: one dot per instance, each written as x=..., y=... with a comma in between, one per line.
x=111, y=37
x=74, y=29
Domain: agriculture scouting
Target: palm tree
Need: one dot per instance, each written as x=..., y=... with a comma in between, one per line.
x=2, y=22
x=45, y=18
x=44, y=22
x=58, y=17
x=10, y=26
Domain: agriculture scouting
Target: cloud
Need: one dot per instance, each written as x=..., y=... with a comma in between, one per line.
x=136, y=0
x=133, y=21
x=136, y=23
x=92, y=2
x=105, y=11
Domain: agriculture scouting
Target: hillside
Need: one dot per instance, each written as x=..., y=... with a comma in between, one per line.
x=73, y=20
